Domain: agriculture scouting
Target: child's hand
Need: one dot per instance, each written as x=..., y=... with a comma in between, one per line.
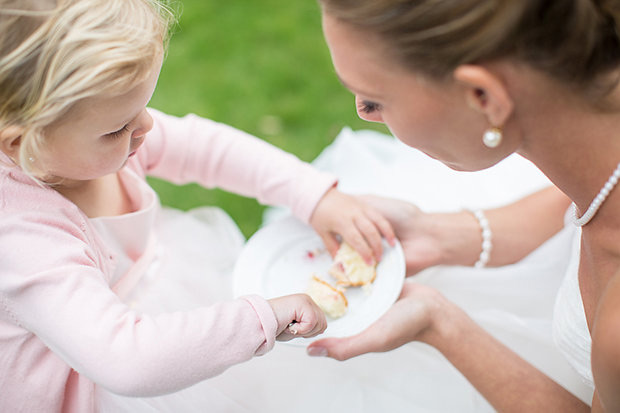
x=297, y=316
x=357, y=222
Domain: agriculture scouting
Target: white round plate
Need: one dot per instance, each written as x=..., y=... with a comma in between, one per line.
x=281, y=258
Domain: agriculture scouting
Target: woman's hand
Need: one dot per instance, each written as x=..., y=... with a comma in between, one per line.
x=413, y=228
x=297, y=316
x=356, y=222
x=412, y=318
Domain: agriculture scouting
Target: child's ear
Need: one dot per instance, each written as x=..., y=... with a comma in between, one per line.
x=10, y=140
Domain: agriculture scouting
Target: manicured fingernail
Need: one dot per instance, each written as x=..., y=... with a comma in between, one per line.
x=317, y=351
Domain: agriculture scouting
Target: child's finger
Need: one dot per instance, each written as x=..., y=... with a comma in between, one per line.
x=311, y=324
x=331, y=243
x=384, y=226
x=311, y=329
x=286, y=335
x=291, y=331
x=356, y=239
x=372, y=236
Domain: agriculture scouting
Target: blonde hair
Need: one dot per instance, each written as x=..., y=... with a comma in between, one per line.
x=574, y=41
x=55, y=53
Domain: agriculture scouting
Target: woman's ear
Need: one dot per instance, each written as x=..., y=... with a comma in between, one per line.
x=485, y=92
x=10, y=141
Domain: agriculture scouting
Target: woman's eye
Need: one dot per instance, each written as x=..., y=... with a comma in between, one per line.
x=118, y=133
x=368, y=106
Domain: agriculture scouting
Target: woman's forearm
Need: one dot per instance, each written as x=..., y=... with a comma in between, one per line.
x=521, y=227
x=508, y=382
x=517, y=229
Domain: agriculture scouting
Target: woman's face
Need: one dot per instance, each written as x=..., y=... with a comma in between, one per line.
x=425, y=114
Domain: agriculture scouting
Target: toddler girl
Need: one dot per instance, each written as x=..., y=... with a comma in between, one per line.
x=83, y=239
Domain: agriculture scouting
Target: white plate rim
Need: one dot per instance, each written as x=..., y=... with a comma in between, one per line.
x=254, y=261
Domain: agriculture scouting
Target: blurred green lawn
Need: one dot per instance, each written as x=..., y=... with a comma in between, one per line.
x=260, y=66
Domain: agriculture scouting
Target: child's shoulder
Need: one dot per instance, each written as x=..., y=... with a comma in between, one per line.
x=20, y=194
x=36, y=221
x=38, y=218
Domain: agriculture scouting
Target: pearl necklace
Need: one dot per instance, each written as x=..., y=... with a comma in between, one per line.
x=598, y=201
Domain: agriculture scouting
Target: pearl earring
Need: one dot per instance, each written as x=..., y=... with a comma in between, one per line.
x=492, y=137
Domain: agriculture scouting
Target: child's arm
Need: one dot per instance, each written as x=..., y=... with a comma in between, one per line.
x=54, y=279
x=194, y=149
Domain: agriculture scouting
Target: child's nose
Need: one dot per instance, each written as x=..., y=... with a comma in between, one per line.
x=144, y=125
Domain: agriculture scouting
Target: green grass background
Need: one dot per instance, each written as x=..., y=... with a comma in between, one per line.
x=260, y=66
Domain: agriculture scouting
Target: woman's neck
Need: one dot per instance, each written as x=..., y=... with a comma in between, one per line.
x=578, y=154
x=576, y=145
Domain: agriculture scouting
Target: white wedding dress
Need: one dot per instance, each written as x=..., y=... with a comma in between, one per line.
x=570, y=328
x=515, y=303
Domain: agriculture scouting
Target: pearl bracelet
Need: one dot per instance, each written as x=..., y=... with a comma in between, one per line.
x=487, y=236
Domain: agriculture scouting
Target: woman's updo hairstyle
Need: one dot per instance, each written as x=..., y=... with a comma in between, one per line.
x=573, y=41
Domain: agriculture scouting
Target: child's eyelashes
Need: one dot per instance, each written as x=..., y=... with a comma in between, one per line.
x=367, y=106
x=118, y=133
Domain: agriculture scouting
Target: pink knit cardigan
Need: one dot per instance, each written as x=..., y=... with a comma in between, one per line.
x=63, y=329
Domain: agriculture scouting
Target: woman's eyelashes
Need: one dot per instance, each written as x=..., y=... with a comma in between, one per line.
x=367, y=106
x=119, y=133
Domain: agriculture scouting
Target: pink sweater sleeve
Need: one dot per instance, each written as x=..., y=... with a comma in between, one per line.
x=194, y=149
x=52, y=286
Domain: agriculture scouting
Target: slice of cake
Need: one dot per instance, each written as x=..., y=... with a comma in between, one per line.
x=330, y=299
x=349, y=268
